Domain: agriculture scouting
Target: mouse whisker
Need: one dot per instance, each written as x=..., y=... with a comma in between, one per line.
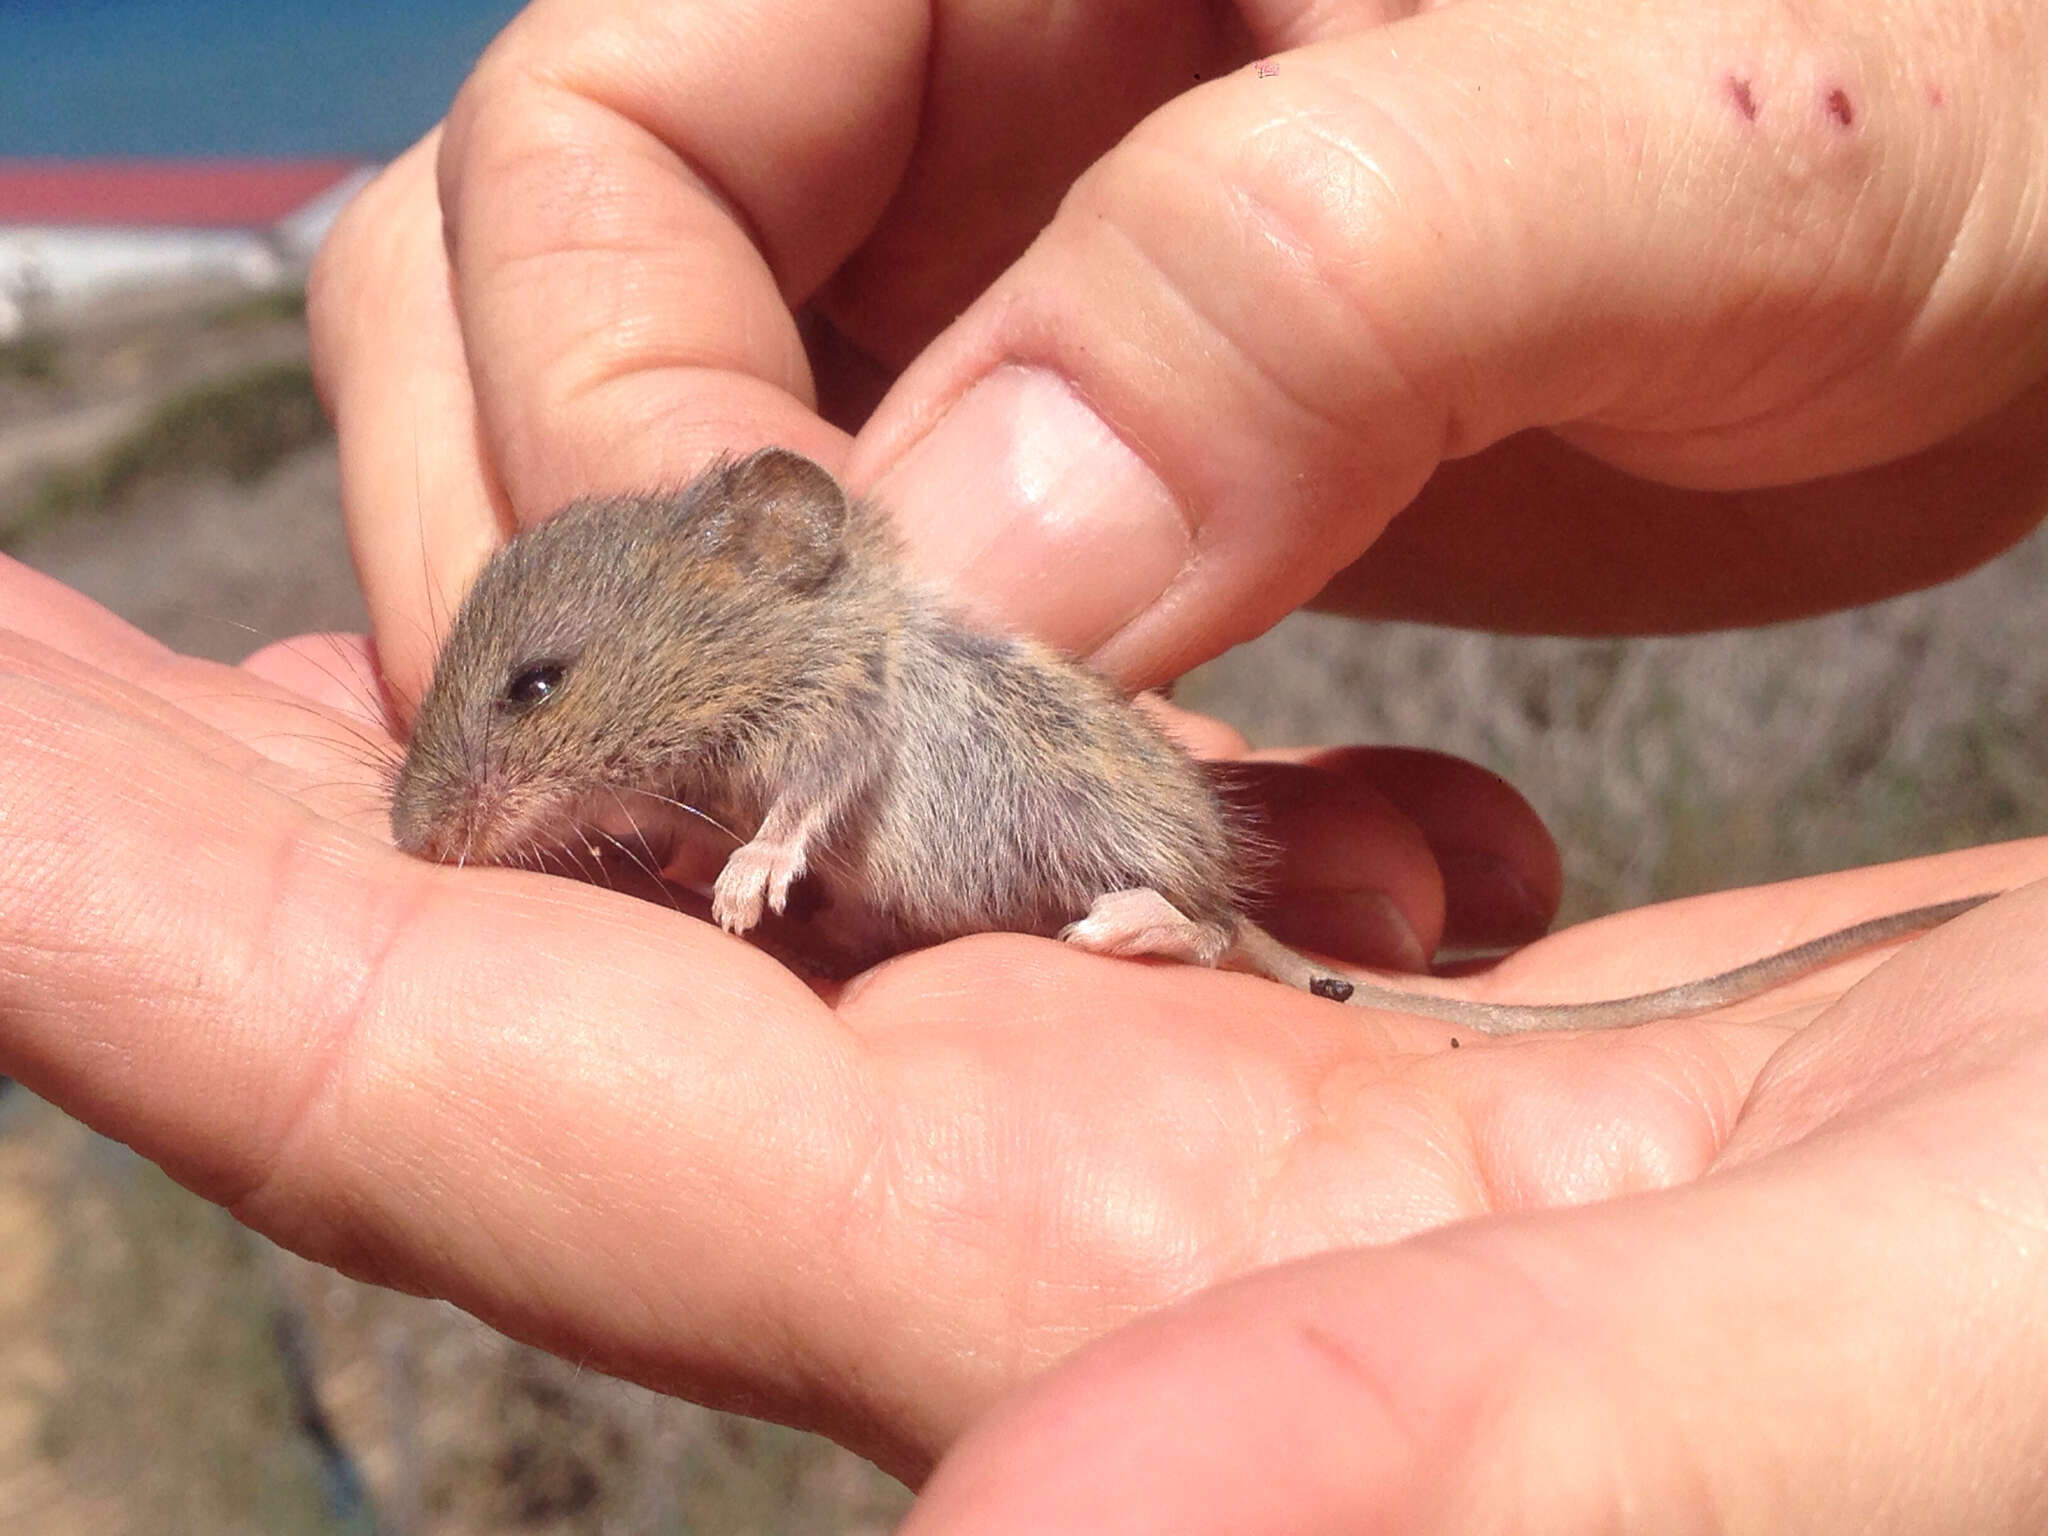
x=569, y=849
x=704, y=816
x=334, y=666
x=657, y=860
x=652, y=873
x=627, y=852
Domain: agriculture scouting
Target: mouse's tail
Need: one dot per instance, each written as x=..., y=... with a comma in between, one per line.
x=1258, y=951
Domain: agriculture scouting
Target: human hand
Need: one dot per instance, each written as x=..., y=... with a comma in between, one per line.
x=1764, y=277
x=614, y=1131
x=1834, y=1317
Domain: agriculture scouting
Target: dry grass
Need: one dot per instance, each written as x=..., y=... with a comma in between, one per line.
x=238, y=428
x=32, y=358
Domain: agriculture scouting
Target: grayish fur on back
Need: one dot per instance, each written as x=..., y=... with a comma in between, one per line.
x=1019, y=789
x=752, y=641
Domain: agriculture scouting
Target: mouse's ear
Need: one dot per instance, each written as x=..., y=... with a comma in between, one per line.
x=788, y=517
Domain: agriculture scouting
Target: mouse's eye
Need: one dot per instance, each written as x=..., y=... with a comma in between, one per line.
x=532, y=685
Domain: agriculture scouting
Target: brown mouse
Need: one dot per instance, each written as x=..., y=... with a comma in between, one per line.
x=749, y=651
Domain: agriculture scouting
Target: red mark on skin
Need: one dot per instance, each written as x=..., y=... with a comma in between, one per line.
x=1745, y=101
x=1839, y=108
x=1935, y=96
x=1266, y=69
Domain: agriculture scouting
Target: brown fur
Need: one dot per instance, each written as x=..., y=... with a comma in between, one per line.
x=749, y=647
x=751, y=638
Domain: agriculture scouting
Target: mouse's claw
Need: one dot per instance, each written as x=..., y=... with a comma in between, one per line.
x=757, y=875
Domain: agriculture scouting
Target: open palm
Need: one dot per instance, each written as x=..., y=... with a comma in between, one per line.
x=610, y=1129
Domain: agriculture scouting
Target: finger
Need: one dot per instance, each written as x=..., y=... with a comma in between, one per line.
x=338, y=746
x=638, y=198
x=422, y=501
x=64, y=640
x=1258, y=325
x=321, y=708
x=1380, y=855
x=1666, y=1352
x=1339, y=870
x=605, y=321
x=636, y=203
x=1660, y=559
x=42, y=606
x=79, y=636
x=1344, y=818
x=337, y=672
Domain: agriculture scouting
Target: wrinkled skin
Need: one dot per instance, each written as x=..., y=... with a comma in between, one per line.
x=1638, y=316
x=615, y=1131
x=1716, y=354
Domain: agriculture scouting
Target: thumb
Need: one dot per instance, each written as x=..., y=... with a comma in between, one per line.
x=1707, y=245
x=1729, y=1353
x=1845, y=1334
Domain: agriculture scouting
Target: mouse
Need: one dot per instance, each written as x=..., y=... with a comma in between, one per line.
x=749, y=653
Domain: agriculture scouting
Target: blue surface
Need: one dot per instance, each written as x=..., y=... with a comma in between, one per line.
x=233, y=77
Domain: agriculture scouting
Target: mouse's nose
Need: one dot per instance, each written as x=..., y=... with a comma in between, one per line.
x=449, y=823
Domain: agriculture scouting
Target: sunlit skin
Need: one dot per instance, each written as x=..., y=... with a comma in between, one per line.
x=1549, y=316
x=609, y=1128
x=1256, y=326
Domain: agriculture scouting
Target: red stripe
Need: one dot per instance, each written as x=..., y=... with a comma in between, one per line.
x=184, y=194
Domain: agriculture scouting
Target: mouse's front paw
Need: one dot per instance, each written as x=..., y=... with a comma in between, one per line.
x=757, y=875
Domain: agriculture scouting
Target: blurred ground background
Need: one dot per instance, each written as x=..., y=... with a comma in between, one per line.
x=166, y=456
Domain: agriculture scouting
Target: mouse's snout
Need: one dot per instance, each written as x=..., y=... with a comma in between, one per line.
x=425, y=830
x=448, y=819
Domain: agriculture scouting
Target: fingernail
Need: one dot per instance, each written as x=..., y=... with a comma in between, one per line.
x=1485, y=901
x=1036, y=516
x=1364, y=926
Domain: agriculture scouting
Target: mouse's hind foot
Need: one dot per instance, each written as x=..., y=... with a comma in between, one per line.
x=1143, y=922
